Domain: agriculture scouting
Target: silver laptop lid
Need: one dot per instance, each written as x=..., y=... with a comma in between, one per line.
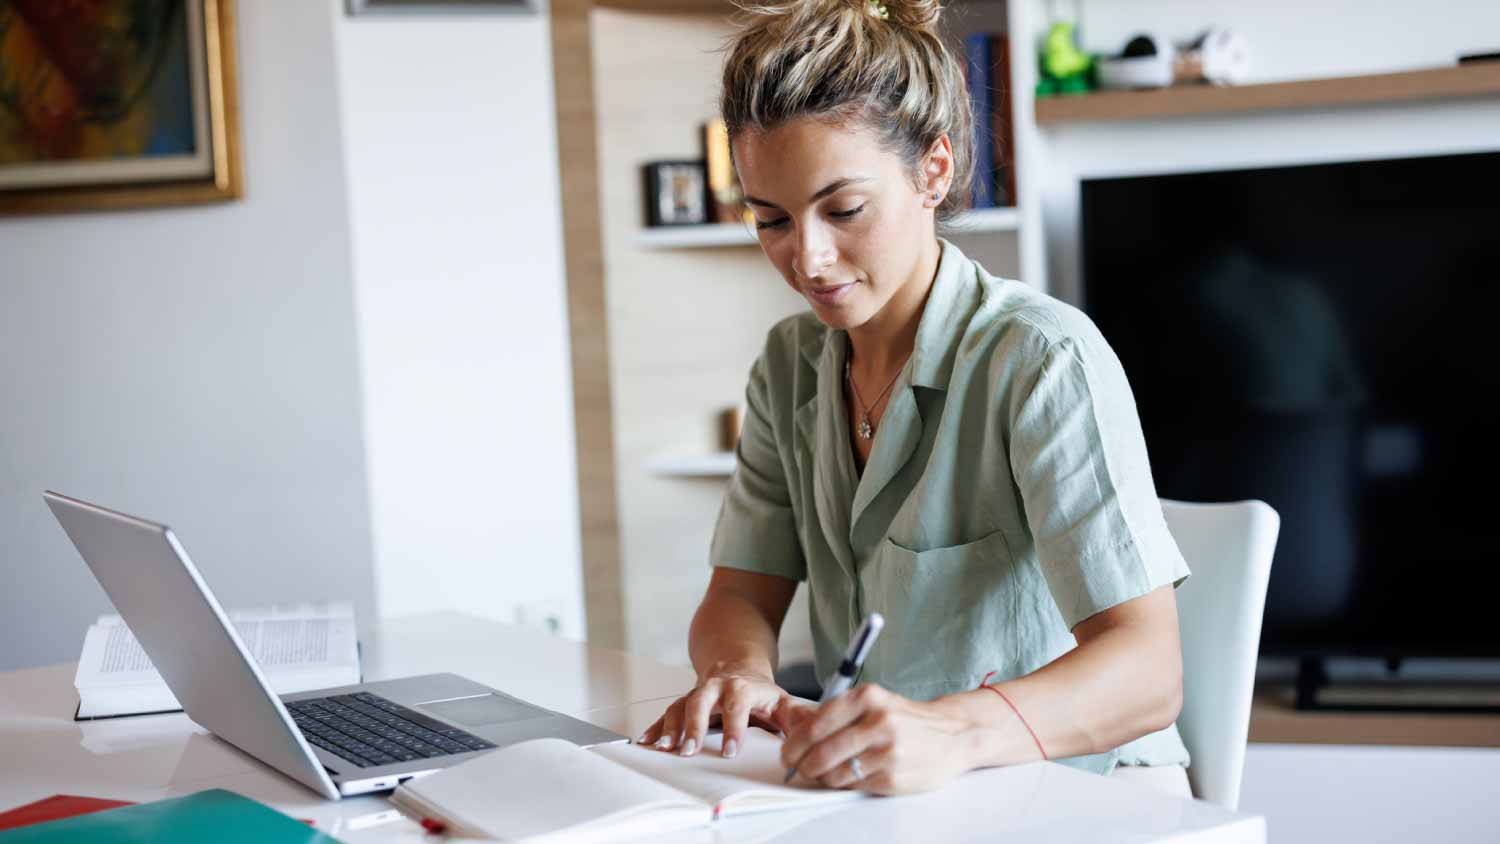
x=159, y=593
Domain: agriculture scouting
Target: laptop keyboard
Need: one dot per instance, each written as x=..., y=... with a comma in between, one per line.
x=368, y=730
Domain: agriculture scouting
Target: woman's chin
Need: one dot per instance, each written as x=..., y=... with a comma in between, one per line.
x=839, y=317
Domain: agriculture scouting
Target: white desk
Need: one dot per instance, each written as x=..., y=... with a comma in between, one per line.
x=44, y=752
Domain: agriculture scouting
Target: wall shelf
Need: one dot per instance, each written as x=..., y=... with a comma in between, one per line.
x=1471, y=80
x=716, y=465
x=738, y=234
x=696, y=237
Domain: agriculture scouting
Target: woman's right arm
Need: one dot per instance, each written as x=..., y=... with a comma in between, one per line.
x=732, y=643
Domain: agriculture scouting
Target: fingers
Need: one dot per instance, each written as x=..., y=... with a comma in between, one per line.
x=813, y=726
x=868, y=739
x=650, y=734
x=654, y=733
x=697, y=707
x=876, y=766
x=735, y=706
x=733, y=700
x=671, y=726
x=736, y=700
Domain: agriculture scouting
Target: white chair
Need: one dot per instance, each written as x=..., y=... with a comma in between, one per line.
x=1228, y=547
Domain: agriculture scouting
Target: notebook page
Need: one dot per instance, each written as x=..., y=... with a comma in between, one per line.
x=751, y=781
x=547, y=786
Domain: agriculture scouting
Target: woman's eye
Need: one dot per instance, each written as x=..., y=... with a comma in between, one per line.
x=781, y=221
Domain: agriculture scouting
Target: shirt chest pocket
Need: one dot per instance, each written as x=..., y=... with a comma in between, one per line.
x=939, y=605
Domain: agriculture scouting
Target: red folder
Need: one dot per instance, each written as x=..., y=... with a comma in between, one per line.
x=60, y=806
x=56, y=807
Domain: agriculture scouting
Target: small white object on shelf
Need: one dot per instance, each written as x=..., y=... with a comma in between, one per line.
x=717, y=465
x=739, y=234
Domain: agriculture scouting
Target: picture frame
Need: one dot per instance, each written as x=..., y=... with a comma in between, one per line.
x=676, y=193
x=121, y=105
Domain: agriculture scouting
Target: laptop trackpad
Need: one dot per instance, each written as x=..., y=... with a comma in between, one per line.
x=483, y=710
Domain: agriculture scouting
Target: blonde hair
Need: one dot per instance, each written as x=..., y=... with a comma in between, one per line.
x=878, y=65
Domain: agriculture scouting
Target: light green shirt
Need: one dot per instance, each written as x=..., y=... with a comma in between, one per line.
x=1007, y=498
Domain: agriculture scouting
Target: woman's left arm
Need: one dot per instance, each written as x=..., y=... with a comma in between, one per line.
x=1124, y=680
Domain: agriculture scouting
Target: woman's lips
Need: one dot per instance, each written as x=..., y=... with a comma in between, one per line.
x=829, y=294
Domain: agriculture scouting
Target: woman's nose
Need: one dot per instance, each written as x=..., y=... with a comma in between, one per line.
x=815, y=256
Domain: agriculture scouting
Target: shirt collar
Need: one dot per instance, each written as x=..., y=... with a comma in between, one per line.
x=950, y=304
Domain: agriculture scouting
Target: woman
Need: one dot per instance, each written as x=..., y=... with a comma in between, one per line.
x=954, y=451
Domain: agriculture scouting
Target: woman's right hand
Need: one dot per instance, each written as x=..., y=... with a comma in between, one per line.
x=741, y=698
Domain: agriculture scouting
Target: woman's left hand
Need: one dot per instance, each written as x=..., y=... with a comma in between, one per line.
x=902, y=745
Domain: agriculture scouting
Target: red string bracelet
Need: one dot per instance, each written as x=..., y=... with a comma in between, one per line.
x=984, y=684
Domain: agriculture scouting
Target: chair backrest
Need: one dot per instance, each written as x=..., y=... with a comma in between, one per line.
x=1228, y=547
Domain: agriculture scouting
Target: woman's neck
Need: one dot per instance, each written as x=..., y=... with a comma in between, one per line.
x=882, y=344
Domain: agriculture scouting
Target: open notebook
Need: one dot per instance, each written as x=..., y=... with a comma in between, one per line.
x=550, y=790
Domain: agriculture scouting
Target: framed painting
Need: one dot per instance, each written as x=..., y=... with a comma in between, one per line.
x=117, y=104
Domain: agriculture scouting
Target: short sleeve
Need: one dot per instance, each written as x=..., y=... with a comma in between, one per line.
x=757, y=530
x=1079, y=459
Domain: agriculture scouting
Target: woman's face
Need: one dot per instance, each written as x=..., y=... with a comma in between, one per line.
x=837, y=214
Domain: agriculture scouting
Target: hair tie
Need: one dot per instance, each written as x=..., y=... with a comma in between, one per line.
x=878, y=9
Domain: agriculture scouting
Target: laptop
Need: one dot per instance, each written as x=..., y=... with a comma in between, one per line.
x=339, y=742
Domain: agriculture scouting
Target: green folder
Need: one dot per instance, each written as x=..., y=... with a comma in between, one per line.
x=215, y=815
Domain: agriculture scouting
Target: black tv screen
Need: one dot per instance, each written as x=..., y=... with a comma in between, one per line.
x=1326, y=339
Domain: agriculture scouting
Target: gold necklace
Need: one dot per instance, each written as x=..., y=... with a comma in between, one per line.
x=866, y=430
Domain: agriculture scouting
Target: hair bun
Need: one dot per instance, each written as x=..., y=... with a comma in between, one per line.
x=917, y=14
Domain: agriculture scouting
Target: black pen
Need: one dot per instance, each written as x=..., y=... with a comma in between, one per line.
x=854, y=659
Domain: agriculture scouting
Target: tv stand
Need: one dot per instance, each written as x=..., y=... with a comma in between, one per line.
x=1311, y=675
x=1317, y=691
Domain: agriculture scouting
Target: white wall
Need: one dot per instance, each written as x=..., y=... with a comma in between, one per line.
x=195, y=366
x=455, y=214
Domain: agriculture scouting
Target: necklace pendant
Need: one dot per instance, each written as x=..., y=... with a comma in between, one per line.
x=865, y=430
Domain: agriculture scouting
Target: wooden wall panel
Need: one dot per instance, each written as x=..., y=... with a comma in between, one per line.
x=588, y=326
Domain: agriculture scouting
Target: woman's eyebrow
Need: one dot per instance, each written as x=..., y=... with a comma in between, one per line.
x=836, y=184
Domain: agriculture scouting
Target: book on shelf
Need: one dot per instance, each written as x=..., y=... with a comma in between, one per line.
x=977, y=75
x=726, y=199
x=553, y=790
x=987, y=75
x=1002, y=122
x=299, y=647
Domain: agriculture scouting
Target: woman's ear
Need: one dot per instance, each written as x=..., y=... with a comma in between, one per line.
x=937, y=171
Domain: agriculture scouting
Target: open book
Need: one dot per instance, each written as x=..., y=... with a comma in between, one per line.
x=300, y=647
x=550, y=790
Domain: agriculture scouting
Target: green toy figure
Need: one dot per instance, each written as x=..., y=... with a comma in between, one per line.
x=1064, y=69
